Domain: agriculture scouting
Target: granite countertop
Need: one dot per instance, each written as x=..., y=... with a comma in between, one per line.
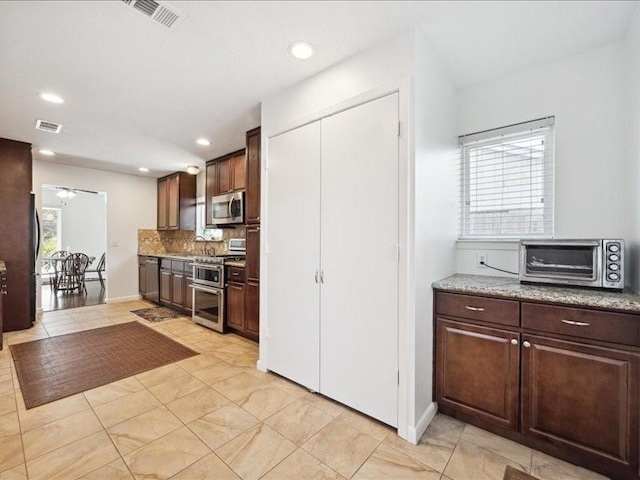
x=177, y=256
x=3, y=268
x=236, y=263
x=504, y=287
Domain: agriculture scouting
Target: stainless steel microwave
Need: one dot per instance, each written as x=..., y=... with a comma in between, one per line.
x=227, y=209
x=586, y=263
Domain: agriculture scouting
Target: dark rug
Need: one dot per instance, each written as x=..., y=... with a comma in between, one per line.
x=513, y=474
x=57, y=367
x=157, y=314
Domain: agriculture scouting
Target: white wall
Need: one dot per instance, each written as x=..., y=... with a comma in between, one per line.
x=632, y=61
x=131, y=204
x=385, y=64
x=427, y=246
x=84, y=221
x=586, y=95
x=435, y=211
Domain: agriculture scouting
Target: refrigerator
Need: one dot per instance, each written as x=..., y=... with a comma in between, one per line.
x=18, y=234
x=34, y=223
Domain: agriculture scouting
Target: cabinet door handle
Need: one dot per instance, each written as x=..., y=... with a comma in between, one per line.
x=573, y=322
x=316, y=276
x=514, y=341
x=526, y=344
x=321, y=276
x=474, y=309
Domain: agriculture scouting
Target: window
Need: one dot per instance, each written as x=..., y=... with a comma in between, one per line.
x=208, y=233
x=506, y=182
x=51, y=230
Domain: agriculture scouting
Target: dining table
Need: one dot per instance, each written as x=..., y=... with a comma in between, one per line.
x=53, y=265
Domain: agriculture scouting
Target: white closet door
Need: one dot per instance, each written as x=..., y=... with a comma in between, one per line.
x=293, y=247
x=359, y=241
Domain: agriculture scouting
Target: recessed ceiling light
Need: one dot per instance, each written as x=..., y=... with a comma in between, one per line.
x=46, y=152
x=203, y=141
x=143, y=169
x=51, y=97
x=301, y=50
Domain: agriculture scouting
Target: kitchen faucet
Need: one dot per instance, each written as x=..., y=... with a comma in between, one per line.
x=205, y=250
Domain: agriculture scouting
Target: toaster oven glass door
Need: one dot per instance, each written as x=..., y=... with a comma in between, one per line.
x=574, y=261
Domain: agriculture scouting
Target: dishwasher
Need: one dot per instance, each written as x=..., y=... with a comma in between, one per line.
x=151, y=272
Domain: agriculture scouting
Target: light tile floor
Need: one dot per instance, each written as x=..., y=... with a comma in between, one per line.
x=214, y=416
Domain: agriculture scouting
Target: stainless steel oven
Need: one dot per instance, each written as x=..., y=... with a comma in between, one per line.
x=208, y=293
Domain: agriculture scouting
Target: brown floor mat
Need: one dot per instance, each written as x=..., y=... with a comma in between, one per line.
x=157, y=314
x=57, y=367
x=512, y=474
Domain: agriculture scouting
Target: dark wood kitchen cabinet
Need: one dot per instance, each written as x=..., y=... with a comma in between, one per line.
x=235, y=292
x=16, y=233
x=478, y=371
x=252, y=285
x=581, y=396
x=165, y=286
x=176, y=277
x=142, y=275
x=252, y=200
x=3, y=292
x=177, y=202
x=235, y=306
x=561, y=379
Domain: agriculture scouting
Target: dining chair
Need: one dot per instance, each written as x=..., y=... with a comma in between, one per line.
x=56, y=261
x=74, y=268
x=99, y=269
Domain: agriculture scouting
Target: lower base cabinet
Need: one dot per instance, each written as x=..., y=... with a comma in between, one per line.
x=566, y=392
x=252, y=308
x=235, y=306
x=582, y=397
x=478, y=371
x=175, y=279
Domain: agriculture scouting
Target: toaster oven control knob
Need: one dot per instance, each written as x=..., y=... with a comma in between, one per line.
x=613, y=257
x=614, y=277
x=614, y=247
x=614, y=267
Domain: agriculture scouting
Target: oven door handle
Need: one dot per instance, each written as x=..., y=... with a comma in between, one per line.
x=217, y=291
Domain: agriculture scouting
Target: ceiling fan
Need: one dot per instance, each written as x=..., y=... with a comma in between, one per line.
x=68, y=192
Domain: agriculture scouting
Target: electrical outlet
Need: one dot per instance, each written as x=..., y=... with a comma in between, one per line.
x=481, y=259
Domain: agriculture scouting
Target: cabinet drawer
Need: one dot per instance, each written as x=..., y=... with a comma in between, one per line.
x=493, y=310
x=236, y=274
x=177, y=266
x=579, y=322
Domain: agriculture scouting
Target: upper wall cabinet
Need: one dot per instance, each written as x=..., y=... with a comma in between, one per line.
x=252, y=200
x=224, y=175
x=177, y=202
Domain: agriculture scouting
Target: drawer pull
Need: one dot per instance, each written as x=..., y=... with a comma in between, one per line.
x=474, y=309
x=514, y=341
x=573, y=322
x=526, y=344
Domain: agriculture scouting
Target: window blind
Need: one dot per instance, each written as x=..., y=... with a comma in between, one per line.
x=506, y=182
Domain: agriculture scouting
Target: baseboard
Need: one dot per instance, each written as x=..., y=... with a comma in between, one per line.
x=414, y=433
x=261, y=366
x=123, y=299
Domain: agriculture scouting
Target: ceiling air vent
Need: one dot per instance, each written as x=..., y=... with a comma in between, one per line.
x=48, y=126
x=163, y=14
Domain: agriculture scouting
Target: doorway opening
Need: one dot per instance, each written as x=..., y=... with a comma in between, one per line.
x=73, y=258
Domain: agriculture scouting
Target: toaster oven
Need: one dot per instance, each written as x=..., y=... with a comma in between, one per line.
x=595, y=263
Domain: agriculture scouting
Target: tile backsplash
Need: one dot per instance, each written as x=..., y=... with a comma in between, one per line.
x=181, y=241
